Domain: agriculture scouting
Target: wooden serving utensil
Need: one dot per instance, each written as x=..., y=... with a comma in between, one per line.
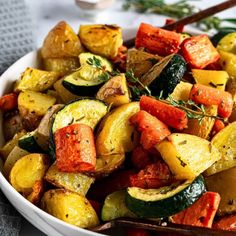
x=193, y=18
x=173, y=229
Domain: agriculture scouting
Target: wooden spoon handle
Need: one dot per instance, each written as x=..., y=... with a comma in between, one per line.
x=193, y=18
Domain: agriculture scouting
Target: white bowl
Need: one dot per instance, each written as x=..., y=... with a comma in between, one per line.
x=40, y=219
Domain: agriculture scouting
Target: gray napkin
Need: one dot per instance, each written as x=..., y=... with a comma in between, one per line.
x=16, y=39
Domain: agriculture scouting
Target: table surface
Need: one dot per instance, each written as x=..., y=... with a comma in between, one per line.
x=47, y=13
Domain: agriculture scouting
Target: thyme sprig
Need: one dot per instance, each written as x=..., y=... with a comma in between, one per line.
x=177, y=10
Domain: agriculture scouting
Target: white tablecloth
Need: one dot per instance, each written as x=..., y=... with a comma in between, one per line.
x=47, y=13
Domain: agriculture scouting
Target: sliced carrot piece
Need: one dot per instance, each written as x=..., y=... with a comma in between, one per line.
x=170, y=115
x=226, y=223
x=201, y=213
x=217, y=127
x=199, y=52
x=202, y=94
x=75, y=148
x=8, y=102
x=157, y=40
x=152, y=130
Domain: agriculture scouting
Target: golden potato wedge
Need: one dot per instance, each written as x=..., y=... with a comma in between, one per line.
x=225, y=142
x=37, y=192
x=202, y=129
x=213, y=78
x=12, y=158
x=182, y=91
x=65, y=95
x=27, y=170
x=224, y=184
x=76, y=182
x=227, y=43
x=32, y=106
x=61, y=41
x=117, y=135
x=140, y=62
x=62, y=66
x=114, y=91
x=187, y=155
x=8, y=147
x=231, y=87
x=36, y=80
x=228, y=62
x=70, y=207
x=103, y=40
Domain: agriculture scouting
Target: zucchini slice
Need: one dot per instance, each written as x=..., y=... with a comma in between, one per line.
x=29, y=143
x=84, y=111
x=87, y=79
x=164, y=76
x=114, y=207
x=165, y=201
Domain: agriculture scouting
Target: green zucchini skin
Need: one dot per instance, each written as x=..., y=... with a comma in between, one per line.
x=29, y=143
x=167, y=206
x=170, y=76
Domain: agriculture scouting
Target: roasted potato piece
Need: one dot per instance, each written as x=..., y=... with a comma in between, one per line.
x=36, y=80
x=65, y=95
x=225, y=142
x=114, y=91
x=224, y=184
x=227, y=43
x=187, y=155
x=213, y=78
x=140, y=62
x=12, y=158
x=103, y=40
x=70, y=207
x=228, y=62
x=12, y=124
x=37, y=192
x=8, y=147
x=32, y=106
x=182, y=91
x=27, y=170
x=231, y=87
x=61, y=41
x=202, y=129
x=117, y=135
x=76, y=182
x=62, y=66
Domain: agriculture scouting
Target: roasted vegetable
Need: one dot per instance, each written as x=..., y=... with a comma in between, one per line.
x=36, y=80
x=70, y=207
x=37, y=192
x=227, y=43
x=201, y=213
x=12, y=158
x=164, y=76
x=140, y=62
x=181, y=91
x=213, y=78
x=32, y=106
x=103, y=40
x=8, y=102
x=226, y=223
x=165, y=201
x=199, y=52
x=27, y=170
x=157, y=40
x=224, y=184
x=76, y=182
x=187, y=155
x=60, y=42
x=114, y=91
x=75, y=148
x=62, y=66
x=228, y=62
x=225, y=142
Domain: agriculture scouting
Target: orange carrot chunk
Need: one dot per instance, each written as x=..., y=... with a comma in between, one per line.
x=152, y=130
x=202, y=94
x=201, y=213
x=8, y=102
x=157, y=40
x=226, y=223
x=155, y=175
x=217, y=127
x=170, y=115
x=199, y=52
x=75, y=148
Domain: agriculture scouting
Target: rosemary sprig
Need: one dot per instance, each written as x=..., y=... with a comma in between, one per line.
x=177, y=10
